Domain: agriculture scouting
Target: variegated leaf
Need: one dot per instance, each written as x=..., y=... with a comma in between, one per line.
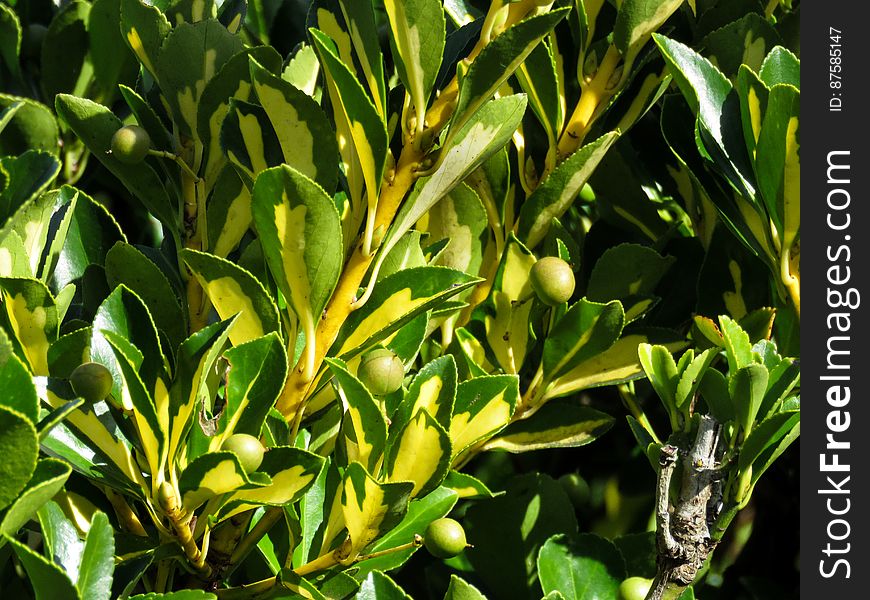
x=300, y=230
x=420, y=452
x=232, y=290
x=484, y=406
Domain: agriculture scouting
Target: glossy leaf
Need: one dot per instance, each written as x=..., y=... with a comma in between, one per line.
x=95, y=572
x=307, y=139
x=20, y=445
x=27, y=176
x=497, y=61
x=421, y=511
x=300, y=230
x=747, y=387
x=206, y=46
x=364, y=427
x=234, y=291
x=626, y=270
x=433, y=389
x=378, y=586
x=144, y=27
x=46, y=481
x=19, y=392
x=459, y=589
x=292, y=472
x=420, y=452
x=557, y=192
x=369, y=508
x=586, y=330
x=95, y=125
x=48, y=580
x=29, y=126
x=581, y=567
x=32, y=313
x=125, y=265
x=484, y=406
x=417, y=42
x=209, y=476
x=559, y=424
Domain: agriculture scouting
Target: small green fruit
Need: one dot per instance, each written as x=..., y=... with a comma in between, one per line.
x=130, y=144
x=381, y=372
x=634, y=588
x=553, y=280
x=248, y=448
x=91, y=381
x=444, y=538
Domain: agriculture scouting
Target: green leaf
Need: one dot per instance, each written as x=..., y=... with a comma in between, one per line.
x=10, y=40
x=497, y=61
x=484, y=406
x=229, y=212
x=370, y=509
x=459, y=217
x=196, y=357
x=48, y=580
x=209, y=476
x=303, y=70
x=362, y=27
x=307, y=139
x=206, y=46
x=144, y=27
x=581, y=567
x=378, y=586
x=507, y=533
x=247, y=138
x=30, y=126
x=691, y=377
x=62, y=544
x=32, y=314
x=360, y=118
x=781, y=67
x=232, y=290
x=27, y=176
x=179, y=595
x=364, y=427
x=557, y=191
x=766, y=434
x=417, y=43
x=66, y=67
x=774, y=451
x=19, y=392
x=558, y=424
x=92, y=231
x=124, y=314
x=421, y=511
x=747, y=387
x=586, y=330
x=489, y=130
x=232, y=81
x=125, y=265
x=112, y=60
x=636, y=21
x=466, y=486
x=97, y=566
x=152, y=433
x=745, y=41
x=419, y=452
x=47, y=480
x=661, y=370
x=95, y=125
x=300, y=230
x=292, y=472
x=395, y=301
x=738, y=348
x=433, y=389
x=20, y=445
x=617, y=364
x=459, y=589
x=626, y=270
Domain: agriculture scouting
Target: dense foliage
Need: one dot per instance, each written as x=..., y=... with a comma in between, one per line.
x=292, y=290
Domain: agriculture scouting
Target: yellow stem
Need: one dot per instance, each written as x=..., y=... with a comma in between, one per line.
x=593, y=96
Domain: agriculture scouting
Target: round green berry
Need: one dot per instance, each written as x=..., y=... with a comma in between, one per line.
x=130, y=144
x=248, y=448
x=381, y=371
x=91, y=381
x=552, y=280
x=634, y=588
x=444, y=538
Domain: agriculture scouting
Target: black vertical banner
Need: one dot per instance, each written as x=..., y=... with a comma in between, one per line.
x=835, y=266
